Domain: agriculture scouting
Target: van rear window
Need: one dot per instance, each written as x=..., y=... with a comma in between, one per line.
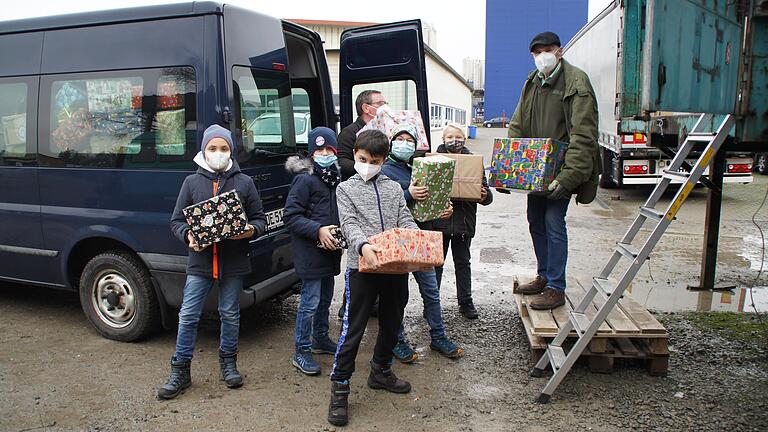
x=127, y=119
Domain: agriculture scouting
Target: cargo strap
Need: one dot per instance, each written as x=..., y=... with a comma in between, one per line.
x=215, y=250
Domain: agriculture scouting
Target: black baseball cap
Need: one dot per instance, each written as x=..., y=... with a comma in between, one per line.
x=546, y=38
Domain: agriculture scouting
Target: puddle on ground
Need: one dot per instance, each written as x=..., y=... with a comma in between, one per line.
x=669, y=298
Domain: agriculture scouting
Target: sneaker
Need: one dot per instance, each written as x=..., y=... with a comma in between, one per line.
x=549, y=299
x=304, y=362
x=404, y=353
x=468, y=310
x=446, y=348
x=324, y=345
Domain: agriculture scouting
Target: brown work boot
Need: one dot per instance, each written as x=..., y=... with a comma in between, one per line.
x=535, y=286
x=550, y=298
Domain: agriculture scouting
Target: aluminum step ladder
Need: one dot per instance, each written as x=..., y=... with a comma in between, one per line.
x=612, y=292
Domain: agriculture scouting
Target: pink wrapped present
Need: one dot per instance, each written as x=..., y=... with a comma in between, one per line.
x=387, y=119
x=404, y=251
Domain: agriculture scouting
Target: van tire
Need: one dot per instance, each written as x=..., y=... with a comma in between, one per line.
x=117, y=296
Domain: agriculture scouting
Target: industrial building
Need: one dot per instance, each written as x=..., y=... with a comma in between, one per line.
x=510, y=26
x=450, y=95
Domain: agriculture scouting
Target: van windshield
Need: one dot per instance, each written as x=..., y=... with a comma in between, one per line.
x=264, y=111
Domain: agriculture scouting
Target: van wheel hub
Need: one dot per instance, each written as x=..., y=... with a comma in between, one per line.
x=113, y=299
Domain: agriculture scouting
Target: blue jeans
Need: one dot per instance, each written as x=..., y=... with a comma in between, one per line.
x=312, y=315
x=195, y=291
x=430, y=295
x=546, y=221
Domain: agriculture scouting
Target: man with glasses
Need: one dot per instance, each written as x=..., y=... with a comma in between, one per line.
x=366, y=104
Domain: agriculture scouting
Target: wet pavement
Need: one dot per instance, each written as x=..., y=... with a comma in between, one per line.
x=57, y=373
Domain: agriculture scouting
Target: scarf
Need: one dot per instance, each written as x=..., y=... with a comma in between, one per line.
x=329, y=176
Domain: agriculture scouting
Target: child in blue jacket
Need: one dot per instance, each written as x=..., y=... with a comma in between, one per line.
x=397, y=167
x=312, y=216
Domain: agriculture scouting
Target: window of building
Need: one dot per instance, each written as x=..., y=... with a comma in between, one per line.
x=124, y=119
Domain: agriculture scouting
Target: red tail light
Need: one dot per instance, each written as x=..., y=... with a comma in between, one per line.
x=742, y=168
x=634, y=139
x=635, y=169
x=278, y=66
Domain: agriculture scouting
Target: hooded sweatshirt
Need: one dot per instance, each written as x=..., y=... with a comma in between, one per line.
x=370, y=207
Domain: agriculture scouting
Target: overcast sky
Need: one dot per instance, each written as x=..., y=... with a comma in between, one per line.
x=460, y=30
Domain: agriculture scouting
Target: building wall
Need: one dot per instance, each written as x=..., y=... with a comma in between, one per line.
x=510, y=26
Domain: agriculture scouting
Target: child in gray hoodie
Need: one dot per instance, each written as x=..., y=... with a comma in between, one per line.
x=369, y=203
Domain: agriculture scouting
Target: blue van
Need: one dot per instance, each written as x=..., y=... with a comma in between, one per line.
x=101, y=114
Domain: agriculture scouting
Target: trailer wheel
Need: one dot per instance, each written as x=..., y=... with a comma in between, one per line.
x=607, y=179
x=117, y=296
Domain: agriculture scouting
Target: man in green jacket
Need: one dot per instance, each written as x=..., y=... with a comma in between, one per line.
x=557, y=102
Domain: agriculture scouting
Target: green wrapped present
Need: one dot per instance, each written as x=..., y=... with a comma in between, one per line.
x=436, y=173
x=171, y=127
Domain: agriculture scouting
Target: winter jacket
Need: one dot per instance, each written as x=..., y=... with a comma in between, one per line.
x=368, y=208
x=400, y=172
x=582, y=160
x=346, y=143
x=233, y=259
x=311, y=205
x=464, y=218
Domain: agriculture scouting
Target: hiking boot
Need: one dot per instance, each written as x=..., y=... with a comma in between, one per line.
x=468, y=310
x=533, y=287
x=228, y=370
x=337, y=410
x=446, y=348
x=323, y=345
x=404, y=353
x=549, y=299
x=382, y=378
x=304, y=362
x=179, y=380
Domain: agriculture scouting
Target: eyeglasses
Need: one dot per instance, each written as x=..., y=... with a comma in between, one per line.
x=378, y=104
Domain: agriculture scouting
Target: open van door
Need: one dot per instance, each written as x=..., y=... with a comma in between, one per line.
x=387, y=57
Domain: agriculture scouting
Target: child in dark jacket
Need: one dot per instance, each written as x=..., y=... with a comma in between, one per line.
x=459, y=229
x=402, y=147
x=225, y=262
x=369, y=203
x=312, y=216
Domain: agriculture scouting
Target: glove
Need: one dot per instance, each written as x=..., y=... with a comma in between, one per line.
x=556, y=191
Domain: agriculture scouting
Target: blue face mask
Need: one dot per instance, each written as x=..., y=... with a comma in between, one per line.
x=403, y=150
x=326, y=160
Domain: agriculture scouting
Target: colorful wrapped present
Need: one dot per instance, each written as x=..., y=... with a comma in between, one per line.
x=15, y=131
x=468, y=177
x=526, y=164
x=216, y=219
x=171, y=127
x=108, y=95
x=405, y=250
x=436, y=173
x=387, y=119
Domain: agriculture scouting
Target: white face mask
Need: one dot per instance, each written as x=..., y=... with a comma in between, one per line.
x=545, y=62
x=218, y=161
x=367, y=171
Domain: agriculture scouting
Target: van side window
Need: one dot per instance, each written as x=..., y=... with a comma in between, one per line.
x=16, y=143
x=124, y=119
x=264, y=110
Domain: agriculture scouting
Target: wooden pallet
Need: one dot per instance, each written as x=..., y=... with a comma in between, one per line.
x=629, y=332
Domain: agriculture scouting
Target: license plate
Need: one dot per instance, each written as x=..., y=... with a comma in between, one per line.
x=274, y=219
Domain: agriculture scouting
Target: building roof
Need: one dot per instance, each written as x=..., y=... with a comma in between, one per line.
x=445, y=64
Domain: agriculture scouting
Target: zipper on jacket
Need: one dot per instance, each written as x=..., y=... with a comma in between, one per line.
x=378, y=202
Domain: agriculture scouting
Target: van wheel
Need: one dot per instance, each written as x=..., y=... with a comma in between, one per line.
x=117, y=296
x=761, y=163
